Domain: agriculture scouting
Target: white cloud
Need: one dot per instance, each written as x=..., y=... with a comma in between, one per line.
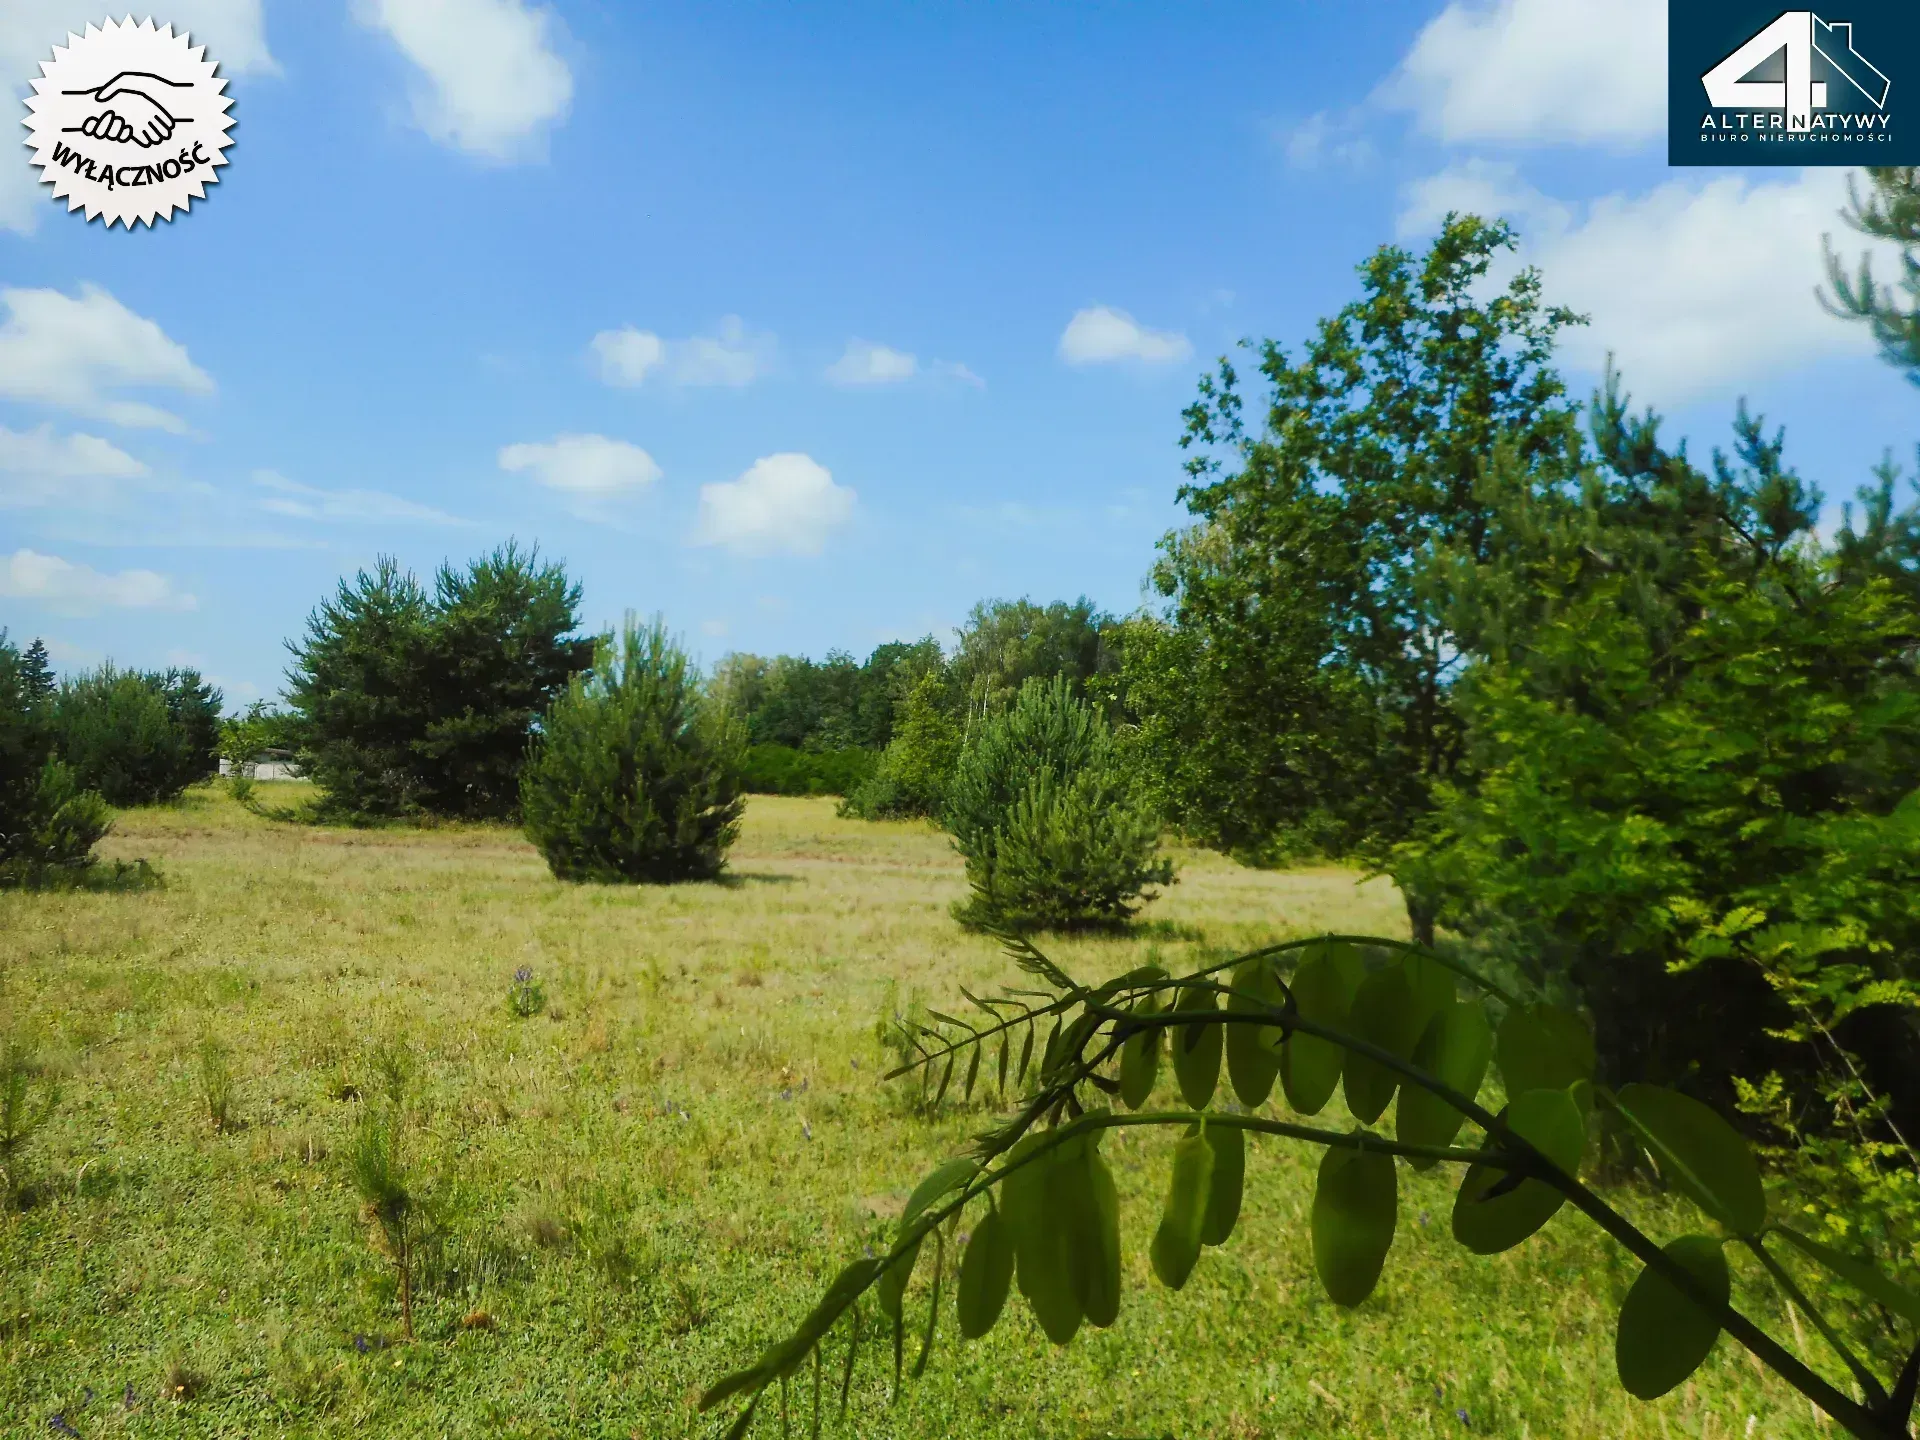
x=41, y=453
x=492, y=84
x=627, y=356
x=954, y=370
x=1323, y=138
x=76, y=589
x=309, y=502
x=1100, y=334
x=40, y=468
x=1537, y=71
x=714, y=629
x=870, y=363
x=735, y=356
x=1488, y=188
x=587, y=466
x=783, y=504
x=69, y=352
x=234, y=32
x=1698, y=287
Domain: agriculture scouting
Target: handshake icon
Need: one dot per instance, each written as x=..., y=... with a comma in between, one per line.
x=130, y=109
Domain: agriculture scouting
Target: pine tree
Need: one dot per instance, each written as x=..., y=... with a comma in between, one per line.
x=636, y=774
x=1890, y=211
x=37, y=673
x=404, y=701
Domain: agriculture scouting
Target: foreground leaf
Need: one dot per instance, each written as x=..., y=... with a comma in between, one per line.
x=1140, y=1058
x=1388, y=1011
x=1542, y=1047
x=1455, y=1048
x=1697, y=1153
x=1253, y=1058
x=1224, y=1185
x=1323, y=988
x=1176, y=1243
x=1663, y=1335
x=785, y=1357
x=1355, y=1203
x=986, y=1274
x=1490, y=1214
x=1041, y=1250
x=1196, y=1050
x=944, y=1180
x=1096, y=1237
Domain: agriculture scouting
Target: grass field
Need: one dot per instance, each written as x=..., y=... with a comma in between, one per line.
x=643, y=1185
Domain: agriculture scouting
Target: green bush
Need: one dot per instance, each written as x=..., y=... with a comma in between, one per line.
x=1688, y=799
x=1047, y=818
x=783, y=770
x=635, y=776
x=48, y=822
x=137, y=737
x=912, y=774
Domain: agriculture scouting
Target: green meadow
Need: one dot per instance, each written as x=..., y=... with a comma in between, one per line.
x=637, y=1187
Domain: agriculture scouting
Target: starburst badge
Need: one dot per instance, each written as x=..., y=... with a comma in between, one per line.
x=128, y=122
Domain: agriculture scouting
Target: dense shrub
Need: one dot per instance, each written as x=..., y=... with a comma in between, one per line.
x=783, y=770
x=47, y=821
x=1689, y=800
x=137, y=737
x=404, y=701
x=1046, y=816
x=635, y=775
x=911, y=777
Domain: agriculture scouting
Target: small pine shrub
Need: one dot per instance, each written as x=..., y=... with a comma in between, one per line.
x=53, y=837
x=216, y=1083
x=526, y=996
x=1045, y=813
x=382, y=1173
x=635, y=776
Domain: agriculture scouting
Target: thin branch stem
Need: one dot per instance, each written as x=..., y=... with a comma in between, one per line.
x=1870, y=1386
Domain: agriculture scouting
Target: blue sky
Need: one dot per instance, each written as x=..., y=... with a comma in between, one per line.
x=810, y=325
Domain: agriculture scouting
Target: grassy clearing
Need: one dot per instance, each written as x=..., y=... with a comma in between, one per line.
x=638, y=1187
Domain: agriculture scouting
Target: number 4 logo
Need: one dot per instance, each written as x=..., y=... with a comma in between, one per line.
x=1802, y=34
